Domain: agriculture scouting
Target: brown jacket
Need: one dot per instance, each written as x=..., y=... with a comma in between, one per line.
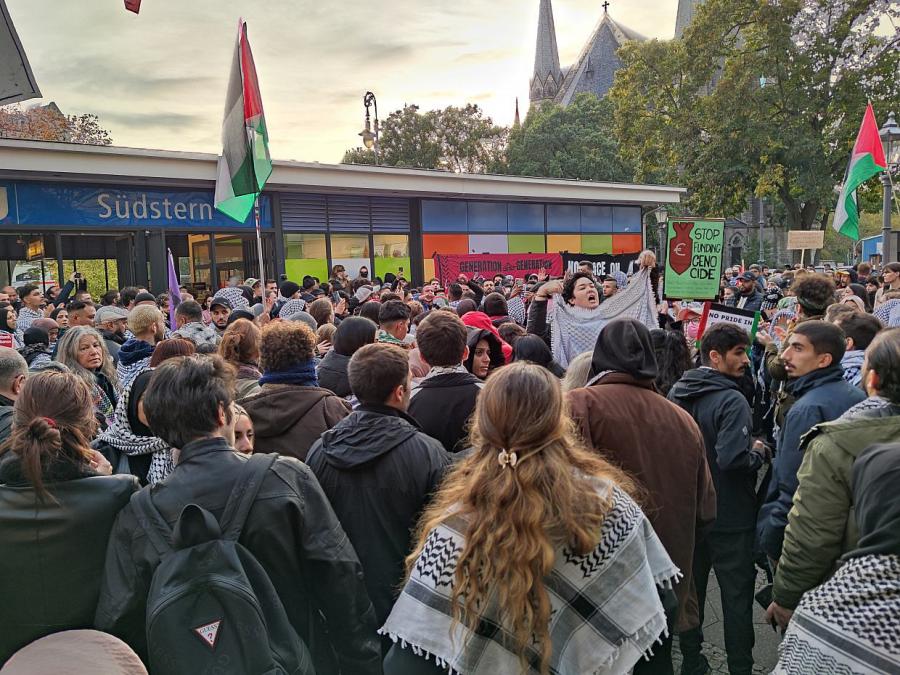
x=288, y=419
x=660, y=446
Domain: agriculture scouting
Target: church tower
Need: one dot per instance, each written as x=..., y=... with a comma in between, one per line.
x=686, y=9
x=547, y=77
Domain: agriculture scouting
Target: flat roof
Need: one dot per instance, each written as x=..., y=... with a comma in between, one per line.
x=40, y=160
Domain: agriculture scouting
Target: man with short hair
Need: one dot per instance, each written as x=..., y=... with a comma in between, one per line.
x=444, y=400
x=816, y=382
x=145, y=298
x=127, y=296
x=32, y=299
x=860, y=329
x=81, y=313
x=112, y=321
x=712, y=395
x=749, y=295
x=609, y=287
x=13, y=373
x=220, y=309
x=189, y=320
x=488, y=287
x=586, y=266
x=147, y=325
x=393, y=323
x=821, y=527
x=290, y=529
x=379, y=445
x=12, y=297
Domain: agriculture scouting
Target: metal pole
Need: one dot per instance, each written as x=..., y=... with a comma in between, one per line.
x=762, y=222
x=262, y=269
x=663, y=231
x=887, y=253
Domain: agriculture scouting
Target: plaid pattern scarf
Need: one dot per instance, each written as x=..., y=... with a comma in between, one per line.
x=606, y=612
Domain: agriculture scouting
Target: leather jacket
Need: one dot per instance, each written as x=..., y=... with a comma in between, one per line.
x=293, y=533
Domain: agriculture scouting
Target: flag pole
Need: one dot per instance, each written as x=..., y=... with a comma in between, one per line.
x=262, y=269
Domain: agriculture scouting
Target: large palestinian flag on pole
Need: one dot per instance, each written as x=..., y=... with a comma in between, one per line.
x=867, y=160
x=245, y=165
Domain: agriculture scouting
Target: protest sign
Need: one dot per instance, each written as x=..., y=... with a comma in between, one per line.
x=448, y=267
x=6, y=340
x=714, y=313
x=694, y=259
x=604, y=264
x=805, y=239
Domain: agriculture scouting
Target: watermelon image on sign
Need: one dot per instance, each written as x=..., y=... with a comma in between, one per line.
x=681, y=247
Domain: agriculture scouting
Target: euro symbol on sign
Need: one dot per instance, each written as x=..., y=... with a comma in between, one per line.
x=679, y=249
x=4, y=204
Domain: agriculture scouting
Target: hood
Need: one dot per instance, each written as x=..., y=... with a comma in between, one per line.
x=701, y=382
x=474, y=336
x=624, y=346
x=334, y=362
x=133, y=351
x=483, y=321
x=366, y=434
x=279, y=406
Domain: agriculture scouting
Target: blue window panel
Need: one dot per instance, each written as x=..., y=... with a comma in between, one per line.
x=487, y=217
x=563, y=218
x=526, y=218
x=597, y=219
x=626, y=219
x=443, y=216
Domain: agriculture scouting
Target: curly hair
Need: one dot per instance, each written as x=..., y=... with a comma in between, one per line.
x=518, y=520
x=285, y=345
x=569, y=286
x=240, y=343
x=814, y=293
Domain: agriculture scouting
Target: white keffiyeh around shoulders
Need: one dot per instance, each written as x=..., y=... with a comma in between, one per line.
x=574, y=330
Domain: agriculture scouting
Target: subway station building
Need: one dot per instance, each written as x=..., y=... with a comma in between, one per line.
x=113, y=213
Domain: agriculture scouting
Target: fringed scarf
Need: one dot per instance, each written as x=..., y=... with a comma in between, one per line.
x=606, y=609
x=574, y=330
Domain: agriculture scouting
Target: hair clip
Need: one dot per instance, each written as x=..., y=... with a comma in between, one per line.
x=507, y=459
x=50, y=422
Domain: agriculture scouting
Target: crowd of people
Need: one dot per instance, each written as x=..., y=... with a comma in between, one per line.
x=492, y=475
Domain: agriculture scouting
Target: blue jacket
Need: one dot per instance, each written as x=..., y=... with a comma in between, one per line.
x=821, y=396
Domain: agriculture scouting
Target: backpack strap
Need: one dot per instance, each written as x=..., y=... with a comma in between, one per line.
x=243, y=493
x=158, y=531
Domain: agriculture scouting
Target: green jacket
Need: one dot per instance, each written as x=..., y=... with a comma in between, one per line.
x=821, y=525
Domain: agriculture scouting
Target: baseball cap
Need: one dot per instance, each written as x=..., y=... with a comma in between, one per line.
x=747, y=276
x=251, y=282
x=110, y=313
x=221, y=301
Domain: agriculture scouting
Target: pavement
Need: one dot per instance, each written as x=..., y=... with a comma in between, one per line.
x=765, y=652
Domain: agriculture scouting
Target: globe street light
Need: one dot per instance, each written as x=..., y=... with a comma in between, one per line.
x=890, y=139
x=369, y=137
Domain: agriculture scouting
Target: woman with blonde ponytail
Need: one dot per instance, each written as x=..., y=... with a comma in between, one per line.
x=532, y=558
x=240, y=348
x=57, y=507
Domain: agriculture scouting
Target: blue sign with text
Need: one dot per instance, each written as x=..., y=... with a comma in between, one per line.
x=77, y=206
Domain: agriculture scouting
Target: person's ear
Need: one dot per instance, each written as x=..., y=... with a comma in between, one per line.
x=825, y=360
x=18, y=383
x=465, y=354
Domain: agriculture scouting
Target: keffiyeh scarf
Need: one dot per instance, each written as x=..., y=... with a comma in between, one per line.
x=103, y=405
x=850, y=624
x=884, y=311
x=121, y=436
x=234, y=295
x=574, y=330
x=291, y=307
x=606, y=612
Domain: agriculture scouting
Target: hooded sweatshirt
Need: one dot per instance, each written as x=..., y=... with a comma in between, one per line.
x=483, y=321
x=134, y=356
x=717, y=405
x=378, y=471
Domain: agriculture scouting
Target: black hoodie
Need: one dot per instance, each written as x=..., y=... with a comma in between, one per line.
x=378, y=471
x=717, y=405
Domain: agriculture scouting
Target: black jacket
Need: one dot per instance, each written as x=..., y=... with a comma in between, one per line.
x=378, y=471
x=332, y=373
x=7, y=406
x=717, y=405
x=443, y=404
x=113, y=342
x=291, y=530
x=754, y=300
x=53, y=551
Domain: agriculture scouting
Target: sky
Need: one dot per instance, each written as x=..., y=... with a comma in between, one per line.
x=158, y=79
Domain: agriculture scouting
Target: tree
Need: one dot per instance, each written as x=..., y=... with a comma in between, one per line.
x=48, y=123
x=759, y=98
x=576, y=141
x=453, y=139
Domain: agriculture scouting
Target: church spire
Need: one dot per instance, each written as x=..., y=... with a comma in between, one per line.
x=516, y=122
x=547, y=75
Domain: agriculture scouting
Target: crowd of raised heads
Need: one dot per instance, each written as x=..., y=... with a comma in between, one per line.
x=381, y=478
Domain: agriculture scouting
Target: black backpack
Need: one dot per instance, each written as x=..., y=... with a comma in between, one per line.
x=211, y=606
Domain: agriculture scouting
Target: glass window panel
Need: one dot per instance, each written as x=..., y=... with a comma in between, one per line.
x=488, y=243
x=200, y=270
x=487, y=217
x=304, y=254
x=351, y=251
x=443, y=216
x=391, y=255
x=526, y=243
x=236, y=256
x=596, y=219
x=627, y=220
x=564, y=242
x=563, y=218
x=596, y=243
x=526, y=218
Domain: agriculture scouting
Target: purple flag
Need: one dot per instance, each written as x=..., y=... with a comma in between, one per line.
x=174, y=292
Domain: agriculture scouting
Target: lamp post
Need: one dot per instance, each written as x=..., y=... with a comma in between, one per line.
x=890, y=139
x=662, y=220
x=370, y=138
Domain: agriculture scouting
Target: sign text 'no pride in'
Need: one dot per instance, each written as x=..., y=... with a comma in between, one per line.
x=694, y=258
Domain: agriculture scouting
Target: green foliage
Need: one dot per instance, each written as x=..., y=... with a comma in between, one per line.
x=453, y=139
x=695, y=111
x=576, y=141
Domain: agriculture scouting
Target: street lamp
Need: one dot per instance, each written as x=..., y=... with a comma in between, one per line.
x=662, y=222
x=369, y=137
x=890, y=139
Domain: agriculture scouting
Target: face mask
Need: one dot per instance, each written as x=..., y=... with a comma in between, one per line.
x=691, y=329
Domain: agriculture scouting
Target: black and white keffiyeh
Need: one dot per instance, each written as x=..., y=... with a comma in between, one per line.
x=234, y=295
x=606, y=611
x=291, y=307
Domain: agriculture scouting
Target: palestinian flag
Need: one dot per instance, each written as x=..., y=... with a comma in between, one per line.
x=245, y=165
x=867, y=160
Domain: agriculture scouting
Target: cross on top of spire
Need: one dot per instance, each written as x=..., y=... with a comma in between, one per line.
x=605, y=6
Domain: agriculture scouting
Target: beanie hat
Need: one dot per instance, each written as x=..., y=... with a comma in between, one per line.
x=363, y=293
x=289, y=289
x=36, y=336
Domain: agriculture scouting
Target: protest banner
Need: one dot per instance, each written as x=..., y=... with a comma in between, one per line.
x=448, y=267
x=714, y=313
x=805, y=239
x=6, y=340
x=604, y=263
x=694, y=258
